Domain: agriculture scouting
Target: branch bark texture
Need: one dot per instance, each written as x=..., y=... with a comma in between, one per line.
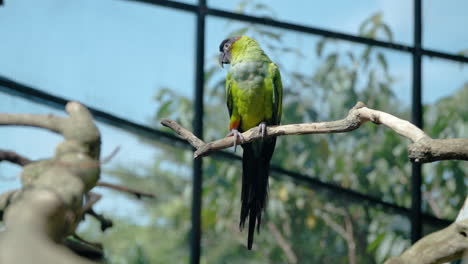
x=39, y=216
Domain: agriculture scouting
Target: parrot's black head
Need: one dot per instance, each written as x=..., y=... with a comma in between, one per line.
x=225, y=49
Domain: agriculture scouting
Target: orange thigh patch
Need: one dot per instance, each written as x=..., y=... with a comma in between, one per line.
x=234, y=124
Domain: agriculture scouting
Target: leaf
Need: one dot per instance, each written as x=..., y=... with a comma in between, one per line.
x=275, y=36
x=387, y=31
x=385, y=90
x=330, y=62
x=209, y=73
x=382, y=61
x=463, y=52
x=311, y=221
x=372, y=33
x=161, y=93
x=261, y=6
x=238, y=32
x=365, y=55
x=351, y=57
x=363, y=26
x=377, y=18
x=320, y=46
x=373, y=246
x=240, y=8
x=353, y=79
x=164, y=110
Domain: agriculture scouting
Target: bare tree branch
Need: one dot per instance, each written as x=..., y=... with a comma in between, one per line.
x=97, y=245
x=283, y=243
x=432, y=204
x=105, y=223
x=13, y=157
x=345, y=232
x=138, y=194
x=442, y=246
x=85, y=250
x=424, y=149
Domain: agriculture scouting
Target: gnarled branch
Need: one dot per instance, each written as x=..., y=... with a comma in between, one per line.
x=424, y=149
x=39, y=216
x=448, y=244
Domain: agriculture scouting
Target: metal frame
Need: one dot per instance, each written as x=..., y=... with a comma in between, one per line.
x=417, y=116
x=202, y=11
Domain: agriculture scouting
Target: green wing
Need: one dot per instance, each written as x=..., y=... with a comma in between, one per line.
x=229, y=93
x=277, y=91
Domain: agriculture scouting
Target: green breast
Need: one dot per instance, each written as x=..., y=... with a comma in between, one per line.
x=250, y=95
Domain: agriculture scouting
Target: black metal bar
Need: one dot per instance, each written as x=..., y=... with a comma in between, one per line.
x=304, y=29
x=446, y=56
x=37, y=96
x=195, y=244
x=417, y=116
x=25, y=92
x=169, y=4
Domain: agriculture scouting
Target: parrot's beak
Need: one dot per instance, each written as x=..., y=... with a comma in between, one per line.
x=223, y=59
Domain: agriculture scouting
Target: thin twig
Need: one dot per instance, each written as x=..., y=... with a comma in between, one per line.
x=351, y=241
x=91, y=199
x=93, y=244
x=432, y=204
x=105, y=223
x=346, y=232
x=138, y=194
x=283, y=243
x=88, y=251
x=20, y=160
x=110, y=156
x=14, y=157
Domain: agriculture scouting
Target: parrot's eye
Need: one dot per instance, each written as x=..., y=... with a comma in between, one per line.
x=226, y=46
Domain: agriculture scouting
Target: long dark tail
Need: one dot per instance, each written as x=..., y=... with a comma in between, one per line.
x=255, y=169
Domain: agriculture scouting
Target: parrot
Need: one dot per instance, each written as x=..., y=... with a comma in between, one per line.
x=254, y=99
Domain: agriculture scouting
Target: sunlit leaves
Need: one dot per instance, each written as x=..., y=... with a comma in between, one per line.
x=372, y=26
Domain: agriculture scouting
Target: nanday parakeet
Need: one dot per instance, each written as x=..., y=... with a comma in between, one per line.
x=254, y=98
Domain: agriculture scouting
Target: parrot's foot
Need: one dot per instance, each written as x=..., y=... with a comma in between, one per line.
x=262, y=129
x=237, y=135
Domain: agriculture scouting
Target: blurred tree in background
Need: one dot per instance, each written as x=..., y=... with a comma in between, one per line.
x=302, y=223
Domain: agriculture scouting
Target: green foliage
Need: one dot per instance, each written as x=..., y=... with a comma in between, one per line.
x=445, y=182
x=317, y=226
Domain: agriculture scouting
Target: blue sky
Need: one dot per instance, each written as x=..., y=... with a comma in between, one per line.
x=115, y=55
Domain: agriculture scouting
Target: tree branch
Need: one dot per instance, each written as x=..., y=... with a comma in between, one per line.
x=138, y=194
x=345, y=232
x=424, y=149
x=44, y=212
x=284, y=245
x=105, y=223
x=442, y=246
x=14, y=157
x=49, y=122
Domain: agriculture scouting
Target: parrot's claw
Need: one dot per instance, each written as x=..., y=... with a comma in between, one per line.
x=237, y=135
x=262, y=129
